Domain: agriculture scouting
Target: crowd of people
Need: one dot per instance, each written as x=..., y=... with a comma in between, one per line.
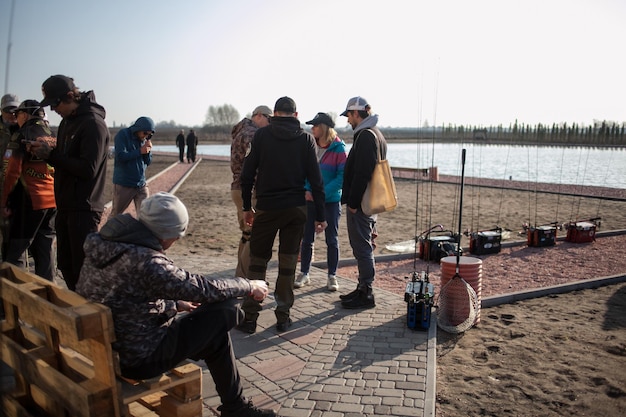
x=286, y=182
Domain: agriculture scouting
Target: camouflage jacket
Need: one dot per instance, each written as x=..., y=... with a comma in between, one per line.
x=126, y=270
x=242, y=135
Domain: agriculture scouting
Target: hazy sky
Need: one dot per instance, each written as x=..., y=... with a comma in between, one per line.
x=457, y=61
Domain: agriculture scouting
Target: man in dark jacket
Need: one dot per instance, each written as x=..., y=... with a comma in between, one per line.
x=180, y=143
x=282, y=157
x=192, y=145
x=79, y=157
x=360, y=165
x=127, y=270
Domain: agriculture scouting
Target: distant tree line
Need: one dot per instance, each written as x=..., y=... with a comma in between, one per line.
x=601, y=133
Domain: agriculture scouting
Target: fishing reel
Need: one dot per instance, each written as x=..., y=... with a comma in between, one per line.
x=419, y=296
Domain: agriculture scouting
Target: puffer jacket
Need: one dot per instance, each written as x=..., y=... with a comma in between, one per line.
x=125, y=269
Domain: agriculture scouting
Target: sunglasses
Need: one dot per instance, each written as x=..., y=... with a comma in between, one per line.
x=148, y=135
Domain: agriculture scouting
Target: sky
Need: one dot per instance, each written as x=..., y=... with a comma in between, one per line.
x=417, y=63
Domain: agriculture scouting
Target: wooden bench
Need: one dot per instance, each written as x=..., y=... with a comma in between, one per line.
x=59, y=347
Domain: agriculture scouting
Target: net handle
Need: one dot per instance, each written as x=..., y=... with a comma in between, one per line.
x=458, y=243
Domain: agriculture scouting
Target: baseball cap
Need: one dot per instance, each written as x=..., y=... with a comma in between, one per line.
x=355, y=103
x=9, y=102
x=55, y=88
x=285, y=104
x=32, y=107
x=322, y=118
x=264, y=110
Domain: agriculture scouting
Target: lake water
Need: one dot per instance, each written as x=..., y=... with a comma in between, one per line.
x=558, y=165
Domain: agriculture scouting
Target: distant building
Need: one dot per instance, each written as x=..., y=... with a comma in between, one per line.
x=480, y=134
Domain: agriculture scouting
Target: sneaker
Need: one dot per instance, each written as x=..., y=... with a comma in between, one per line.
x=350, y=295
x=362, y=300
x=332, y=283
x=248, y=410
x=302, y=280
x=247, y=326
x=284, y=325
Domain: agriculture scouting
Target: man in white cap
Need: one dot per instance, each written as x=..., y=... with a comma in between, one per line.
x=359, y=167
x=127, y=270
x=8, y=105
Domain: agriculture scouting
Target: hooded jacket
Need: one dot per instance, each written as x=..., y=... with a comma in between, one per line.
x=80, y=157
x=130, y=164
x=282, y=157
x=362, y=160
x=126, y=270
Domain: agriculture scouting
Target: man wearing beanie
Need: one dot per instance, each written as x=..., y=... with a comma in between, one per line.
x=132, y=156
x=127, y=270
x=282, y=158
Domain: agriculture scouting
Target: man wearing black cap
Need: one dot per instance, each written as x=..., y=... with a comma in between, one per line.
x=27, y=198
x=360, y=165
x=79, y=157
x=282, y=157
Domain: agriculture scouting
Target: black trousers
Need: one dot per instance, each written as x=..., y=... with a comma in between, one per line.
x=201, y=334
x=72, y=228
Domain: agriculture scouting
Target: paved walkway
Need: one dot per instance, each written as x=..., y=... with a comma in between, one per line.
x=332, y=361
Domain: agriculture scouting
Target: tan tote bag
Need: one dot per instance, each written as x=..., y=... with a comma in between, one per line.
x=380, y=194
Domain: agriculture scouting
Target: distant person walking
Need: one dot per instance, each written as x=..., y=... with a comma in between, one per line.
x=282, y=157
x=180, y=142
x=79, y=157
x=192, y=144
x=242, y=135
x=28, y=194
x=331, y=153
x=360, y=165
x=132, y=157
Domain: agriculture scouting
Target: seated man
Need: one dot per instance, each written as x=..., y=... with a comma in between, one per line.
x=127, y=270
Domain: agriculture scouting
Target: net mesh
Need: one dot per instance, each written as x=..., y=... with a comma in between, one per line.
x=457, y=305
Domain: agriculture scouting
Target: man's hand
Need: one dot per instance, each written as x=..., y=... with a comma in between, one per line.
x=248, y=217
x=41, y=149
x=146, y=147
x=186, y=305
x=259, y=289
x=320, y=227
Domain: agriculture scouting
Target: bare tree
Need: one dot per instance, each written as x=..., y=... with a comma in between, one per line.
x=224, y=115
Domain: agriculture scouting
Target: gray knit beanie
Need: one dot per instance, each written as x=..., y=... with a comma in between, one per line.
x=165, y=215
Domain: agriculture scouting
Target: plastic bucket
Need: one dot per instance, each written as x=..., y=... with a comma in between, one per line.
x=471, y=270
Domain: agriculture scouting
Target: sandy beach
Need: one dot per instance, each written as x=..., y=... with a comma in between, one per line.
x=551, y=356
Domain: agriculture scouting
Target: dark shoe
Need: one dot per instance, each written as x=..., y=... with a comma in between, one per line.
x=283, y=326
x=247, y=326
x=350, y=295
x=248, y=410
x=364, y=299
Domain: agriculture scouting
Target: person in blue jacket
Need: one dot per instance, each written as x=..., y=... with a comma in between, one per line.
x=331, y=154
x=132, y=156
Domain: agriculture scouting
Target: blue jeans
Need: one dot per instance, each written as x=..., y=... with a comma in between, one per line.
x=360, y=228
x=333, y=213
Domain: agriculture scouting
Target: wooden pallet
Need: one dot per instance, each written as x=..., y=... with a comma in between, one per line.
x=59, y=346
